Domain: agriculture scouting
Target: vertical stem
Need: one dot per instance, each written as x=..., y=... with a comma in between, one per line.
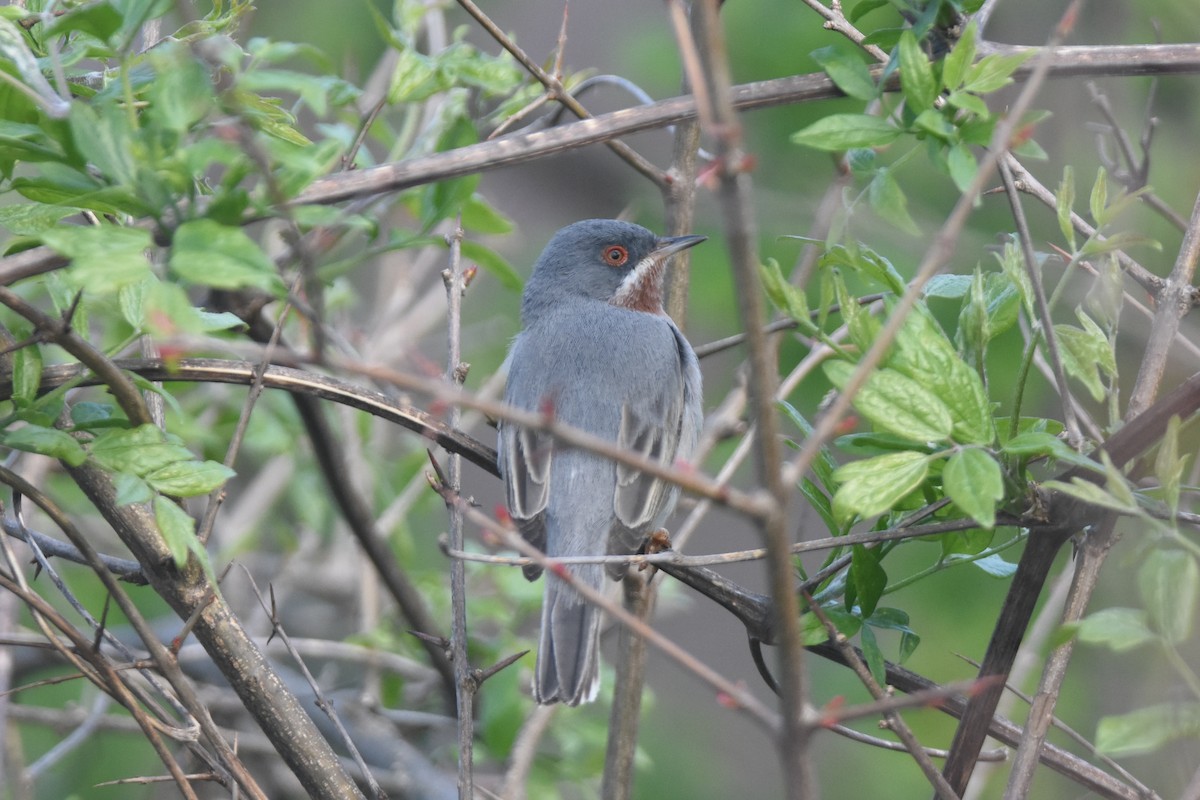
x=627, y=694
x=741, y=233
x=455, y=374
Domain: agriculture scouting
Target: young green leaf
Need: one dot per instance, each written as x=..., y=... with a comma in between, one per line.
x=872, y=654
x=27, y=375
x=1099, y=197
x=782, y=294
x=868, y=577
x=1091, y=494
x=873, y=485
x=103, y=257
x=208, y=253
x=845, y=131
x=974, y=481
x=894, y=402
x=47, y=441
x=916, y=74
x=954, y=66
x=1064, y=201
x=888, y=201
x=1168, y=466
x=962, y=165
x=189, y=478
x=176, y=527
x=1147, y=729
x=846, y=69
x=138, y=451
x=993, y=72
x=924, y=354
x=1169, y=584
x=1119, y=629
x=1086, y=352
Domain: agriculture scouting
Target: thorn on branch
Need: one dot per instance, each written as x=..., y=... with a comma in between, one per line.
x=481, y=675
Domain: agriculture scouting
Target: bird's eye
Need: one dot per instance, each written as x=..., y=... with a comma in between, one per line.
x=615, y=256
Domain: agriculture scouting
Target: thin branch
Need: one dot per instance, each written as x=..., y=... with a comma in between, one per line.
x=733, y=191
x=894, y=721
x=319, y=386
x=1040, y=304
x=555, y=88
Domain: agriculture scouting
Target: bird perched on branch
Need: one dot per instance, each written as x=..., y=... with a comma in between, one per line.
x=598, y=353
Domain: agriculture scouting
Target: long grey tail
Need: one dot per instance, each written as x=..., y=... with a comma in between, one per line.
x=568, y=658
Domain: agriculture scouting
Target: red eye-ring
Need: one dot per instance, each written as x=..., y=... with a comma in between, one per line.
x=615, y=255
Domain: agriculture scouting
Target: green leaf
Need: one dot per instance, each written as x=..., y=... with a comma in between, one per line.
x=414, y=78
x=916, y=74
x=894, y=402
x=1091, y=494
x=1099, y=197
x=954, y=66
x=845, y=131
x=993, y=72
x=821, y=504
x=99, y=20
x=872, y=655
x=889, y=202
x=181, y=93
x=103, y=257
x=974, y=481
x=924, y=354
x=47, y=441
x=966, y=543
x=176, y=527
x=948, y=286
x=932, y=122
x=868, y=577
x=138, y=451
x=27, y=375
x=873, y=485
x=1119, y=629
x=1169, y=584
x=864, y=7
x=995, y=566
x=478, y=216
x=1064, y=201
x=782, y=294
x=87, y=415
x=1121, y=240
x=1147, y=729
x=131, y=489
x=1168, y=466
x=1039, y=443
x=31, y=219
x=105, y=139
x=1085, y=352
x=962, y=166
x=970, y=103
x=189, y=478
x=823, y=465
x=847, y=70
x=494, y=263
x=208, y=253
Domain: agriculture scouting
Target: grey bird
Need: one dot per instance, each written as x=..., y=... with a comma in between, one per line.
x=599, y=353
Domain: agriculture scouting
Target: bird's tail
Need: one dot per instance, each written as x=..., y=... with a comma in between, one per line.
x=568, y=659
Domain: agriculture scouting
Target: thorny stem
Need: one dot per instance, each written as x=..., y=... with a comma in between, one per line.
x=455, y=374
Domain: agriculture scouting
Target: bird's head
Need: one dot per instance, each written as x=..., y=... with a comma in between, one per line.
x=605, y=259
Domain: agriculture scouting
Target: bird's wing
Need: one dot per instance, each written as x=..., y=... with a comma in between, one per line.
x=654, y=424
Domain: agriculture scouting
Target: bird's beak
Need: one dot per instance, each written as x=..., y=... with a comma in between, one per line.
x=668, y=246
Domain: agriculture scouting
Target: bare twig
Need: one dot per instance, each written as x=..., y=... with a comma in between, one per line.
x=465, y=686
